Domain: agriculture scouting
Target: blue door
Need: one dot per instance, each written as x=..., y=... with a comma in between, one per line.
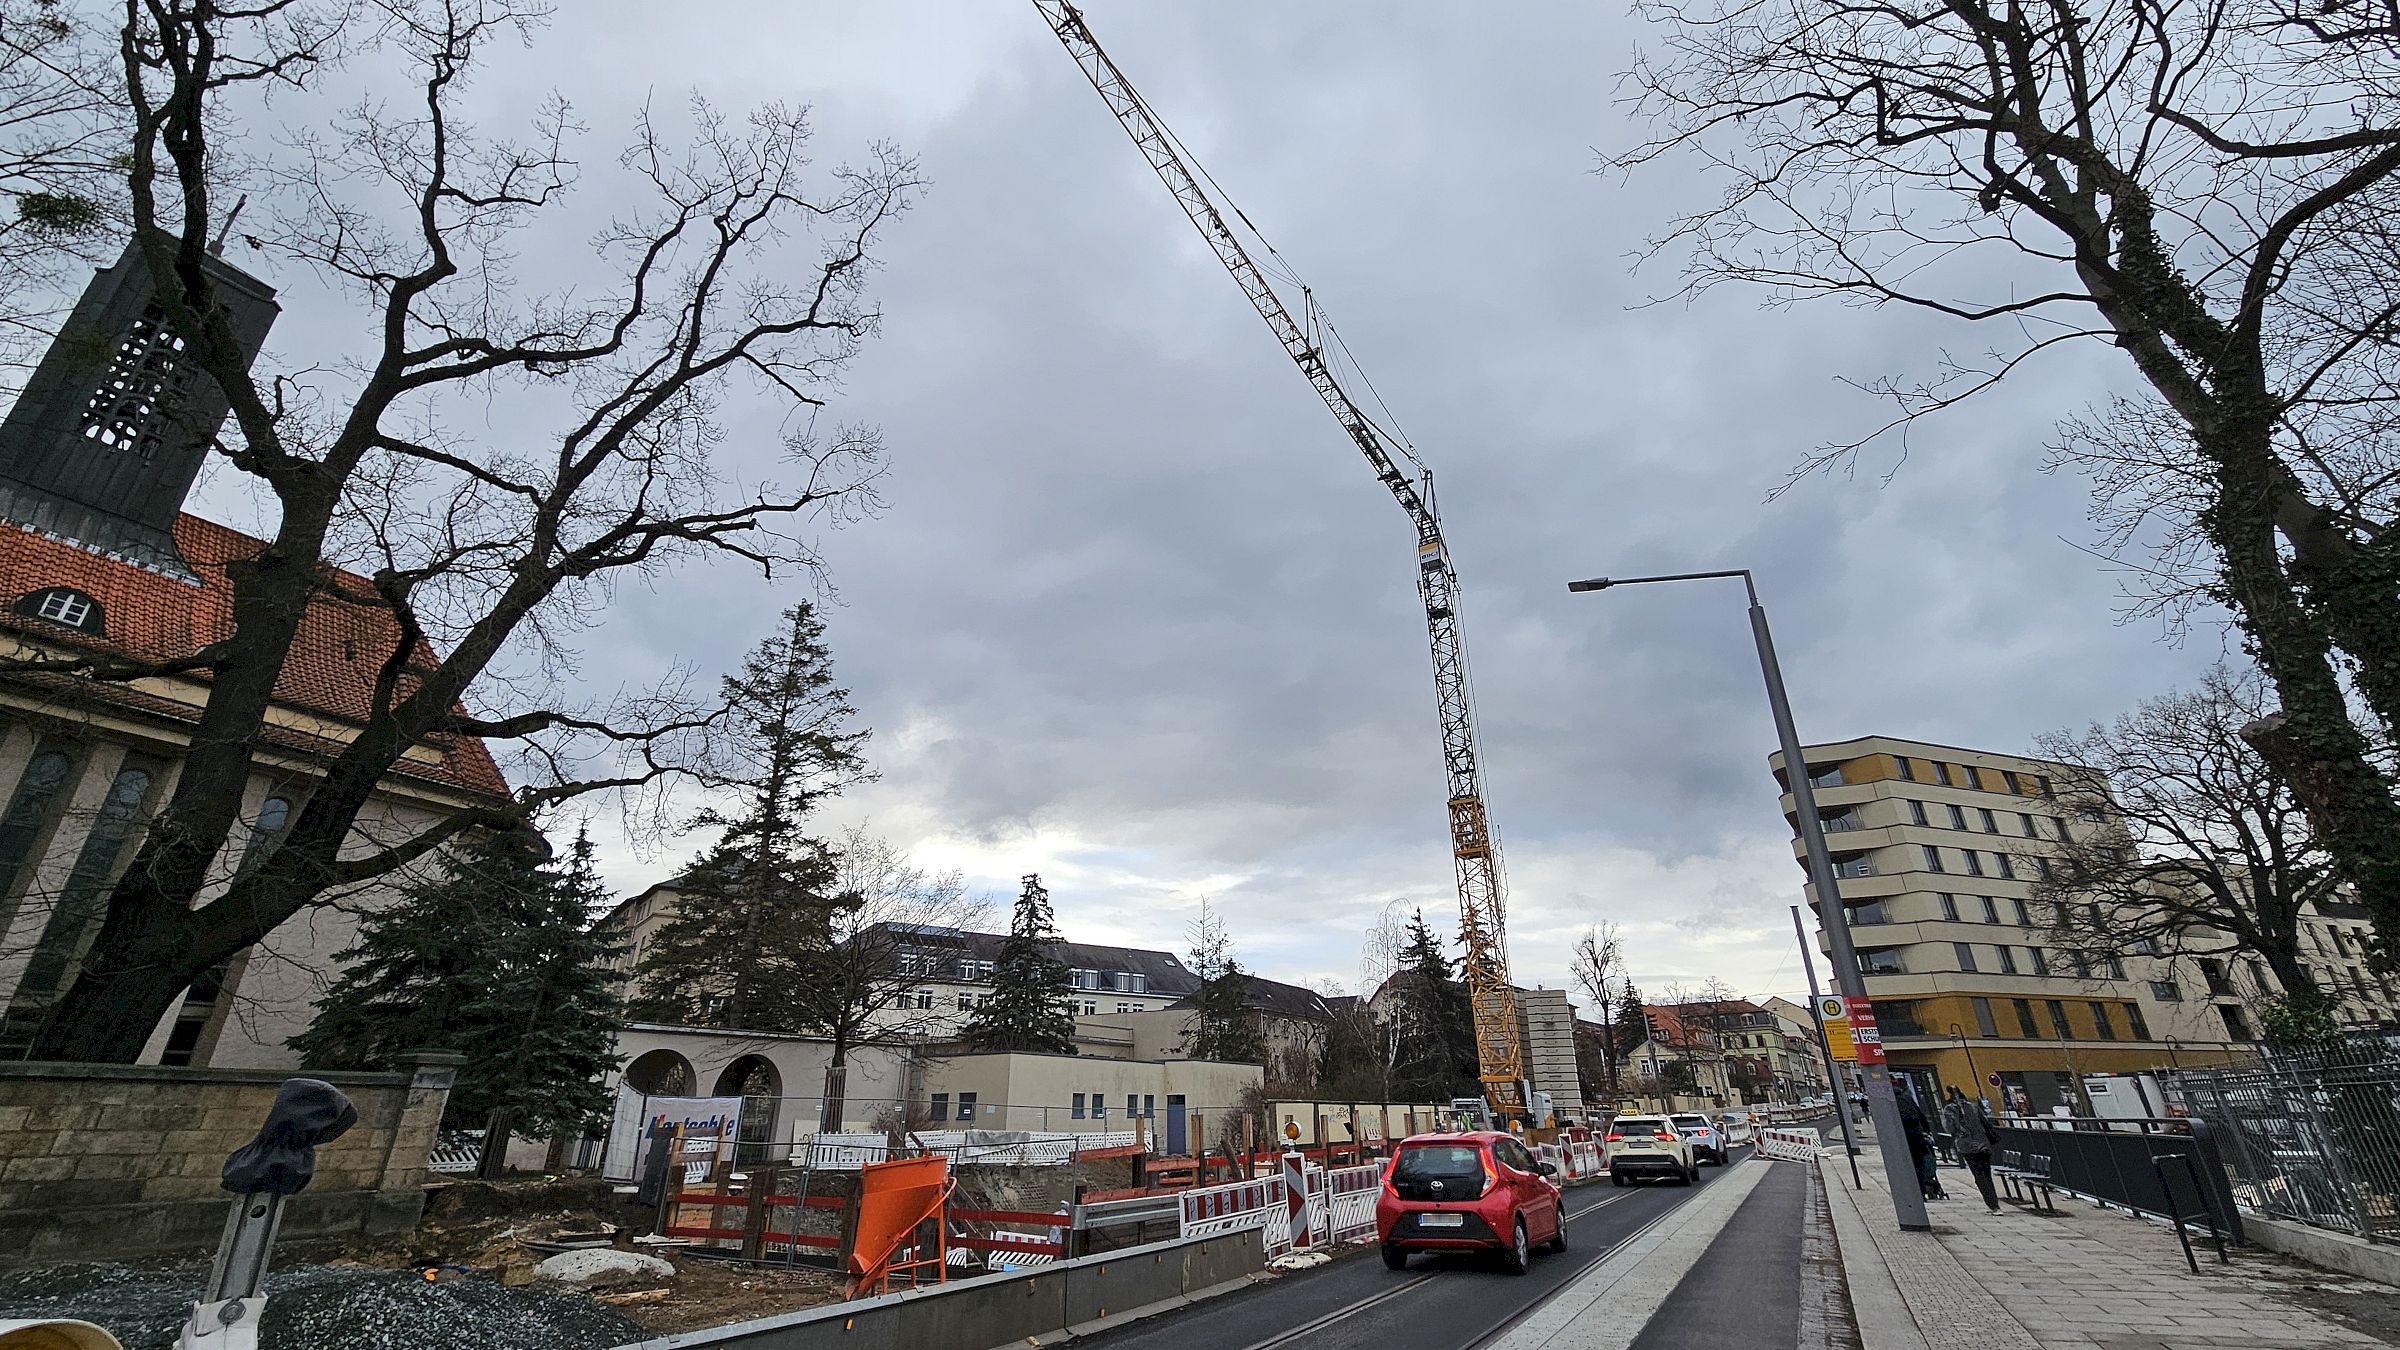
x=1175, y=1140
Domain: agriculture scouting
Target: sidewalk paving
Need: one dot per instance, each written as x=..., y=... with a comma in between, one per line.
x=2086, y=1279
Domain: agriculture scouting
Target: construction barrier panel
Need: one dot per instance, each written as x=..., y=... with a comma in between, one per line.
x=1788, y=1145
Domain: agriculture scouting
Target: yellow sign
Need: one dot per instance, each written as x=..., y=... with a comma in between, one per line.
x=1836, y=1020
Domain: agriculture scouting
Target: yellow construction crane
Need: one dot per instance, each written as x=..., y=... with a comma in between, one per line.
x=1499, y=1045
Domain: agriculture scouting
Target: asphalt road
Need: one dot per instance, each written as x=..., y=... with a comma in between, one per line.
x=1438, y=1303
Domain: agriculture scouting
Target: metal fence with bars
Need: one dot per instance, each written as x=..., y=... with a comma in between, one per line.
x=2310, y=1134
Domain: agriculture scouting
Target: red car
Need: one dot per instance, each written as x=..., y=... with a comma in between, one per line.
x=1480, y=1191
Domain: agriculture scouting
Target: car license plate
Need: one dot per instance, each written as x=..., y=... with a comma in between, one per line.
x=1441, y=1221
x=1638, y=1143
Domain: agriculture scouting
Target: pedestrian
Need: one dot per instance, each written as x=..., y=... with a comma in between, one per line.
x=1971, y=1134
x=1919, y=1134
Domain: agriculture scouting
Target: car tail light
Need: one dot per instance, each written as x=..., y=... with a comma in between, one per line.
x=1662, y=1134
x=1490, y=1177
x=1612, y=1139
x=1389, y=1168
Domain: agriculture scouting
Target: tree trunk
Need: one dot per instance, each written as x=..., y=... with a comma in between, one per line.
x=837, y=1073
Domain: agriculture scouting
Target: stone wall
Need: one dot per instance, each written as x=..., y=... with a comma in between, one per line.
x=102, y=1161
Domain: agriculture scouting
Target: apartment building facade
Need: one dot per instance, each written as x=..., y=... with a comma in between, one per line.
x=1936, y=851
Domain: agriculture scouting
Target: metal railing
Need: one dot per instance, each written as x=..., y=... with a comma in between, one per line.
x=2149, y=1166
x=2311, y=1135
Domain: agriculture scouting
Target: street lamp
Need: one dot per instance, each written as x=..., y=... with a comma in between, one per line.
x=1908, y=1198
x=1959, y=1034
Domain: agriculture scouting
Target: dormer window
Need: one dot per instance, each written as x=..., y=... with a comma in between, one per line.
x=63, y=605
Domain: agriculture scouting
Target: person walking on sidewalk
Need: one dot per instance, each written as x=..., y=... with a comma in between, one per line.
x=1919, y=1134
x=1971, y=1134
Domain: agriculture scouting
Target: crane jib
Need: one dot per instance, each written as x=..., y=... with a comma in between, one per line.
x=1474, y=851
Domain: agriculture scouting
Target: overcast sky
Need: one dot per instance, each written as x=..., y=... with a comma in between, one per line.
x=1138, y=618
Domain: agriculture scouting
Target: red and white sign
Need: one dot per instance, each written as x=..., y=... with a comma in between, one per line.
x=1865, y=1037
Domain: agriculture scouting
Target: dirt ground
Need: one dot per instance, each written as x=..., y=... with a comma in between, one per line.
x=479, y=1230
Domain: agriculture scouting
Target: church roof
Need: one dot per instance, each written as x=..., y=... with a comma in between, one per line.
x=147, y=615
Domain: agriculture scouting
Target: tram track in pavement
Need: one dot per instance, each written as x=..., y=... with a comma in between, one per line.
x=1357, y=1303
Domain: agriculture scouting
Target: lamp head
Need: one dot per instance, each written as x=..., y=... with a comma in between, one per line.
x=1595, y=584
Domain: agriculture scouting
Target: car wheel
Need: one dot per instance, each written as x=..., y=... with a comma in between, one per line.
x=1519, y=1257
x=1690, y=1175
x=1394, y=1258
x=1558, y=1239
x=1618, y=1179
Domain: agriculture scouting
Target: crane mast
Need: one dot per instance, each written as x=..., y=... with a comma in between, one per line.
x=1475, y=852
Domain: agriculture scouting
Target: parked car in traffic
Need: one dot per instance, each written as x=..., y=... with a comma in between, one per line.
x=1640, y=1148
x=1480, y=1190
x=1708, y=1141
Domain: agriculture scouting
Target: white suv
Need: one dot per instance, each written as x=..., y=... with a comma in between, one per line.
x=1648, y=1146
x=1708, y=1142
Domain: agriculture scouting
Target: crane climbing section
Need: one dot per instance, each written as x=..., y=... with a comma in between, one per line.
x=1474, y=850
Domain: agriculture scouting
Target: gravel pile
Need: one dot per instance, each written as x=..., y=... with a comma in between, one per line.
x=324, y=1308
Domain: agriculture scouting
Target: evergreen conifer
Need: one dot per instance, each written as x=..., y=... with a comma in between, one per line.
x=1028, y=1008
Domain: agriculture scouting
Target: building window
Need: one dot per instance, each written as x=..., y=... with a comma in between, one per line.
x=1149, y=1106
x=2212, y=973
x=1965, y=952
x=145, y=386
x=2041, y=960
x=1123, y=1006
x=1133, y=1105
x=1933, y=857
x=966, y=1106
x=1958, y=818
x=1983, y=817
x=2007, y=868
x=2136, y=1023
x=1856, y=865
x=2024, y=918
x=1075, y=1106
x=61, y=605
x=1974, y=779
x=2058, y=1020
x=79, y=900
x=2108, y=1029
x=1991, y=909
x=2059, y=823
x=2237, y=1027
x=966, y=1001
x=1974, y=863
x=1941, y=773
x=2008, y=960
x=1949, y=906
x=2112, y=967
x=1916, y=812
x=1866, y=912
x=2041, y=867
x=2042, y=780
x=1879, y=961
x=2026, y=818
x=2166, y=991
x=1908, y=772
x=2025, y=1018
x=940, y=1109
x=1897, y=1019
x=1984, y=1025
x=28, y=813
x=924, y=1000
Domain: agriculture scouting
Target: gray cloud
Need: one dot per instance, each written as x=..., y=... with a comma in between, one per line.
x=1139, y=619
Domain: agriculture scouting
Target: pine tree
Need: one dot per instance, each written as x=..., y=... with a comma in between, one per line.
x=754, y=918
x=492, y=955
x=1223, y=1025
x=1028, y=1009
x=1438, y=1055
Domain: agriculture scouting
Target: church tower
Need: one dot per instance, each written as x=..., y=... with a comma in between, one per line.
x=103, y=444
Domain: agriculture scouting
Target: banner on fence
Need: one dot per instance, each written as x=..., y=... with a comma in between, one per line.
x=637, y=1117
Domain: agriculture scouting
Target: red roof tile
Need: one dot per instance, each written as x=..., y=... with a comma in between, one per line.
x=147, y=616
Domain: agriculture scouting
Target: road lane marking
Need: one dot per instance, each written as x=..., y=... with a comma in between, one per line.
x=1348, y=1311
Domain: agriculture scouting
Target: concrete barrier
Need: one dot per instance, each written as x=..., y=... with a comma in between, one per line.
x=1085, y=1294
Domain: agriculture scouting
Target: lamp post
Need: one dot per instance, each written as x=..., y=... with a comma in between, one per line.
x=1959, y=1034
x=1900, y=1171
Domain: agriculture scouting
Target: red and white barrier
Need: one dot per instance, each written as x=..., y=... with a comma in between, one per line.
x=1788, y=1145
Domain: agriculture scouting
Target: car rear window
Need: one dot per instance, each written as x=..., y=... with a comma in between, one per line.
x=1639, y=1127
x=1426, y=1161
x=1690, y=1120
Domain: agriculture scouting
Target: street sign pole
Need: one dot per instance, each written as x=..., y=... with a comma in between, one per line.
x=1833, y=1075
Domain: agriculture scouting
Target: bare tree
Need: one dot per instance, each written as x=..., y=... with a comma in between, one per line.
x=862, y=987
x=2205, y=185
x=484, y=558
x=1598, y=966
x=60, y=126
x=2190, y=843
